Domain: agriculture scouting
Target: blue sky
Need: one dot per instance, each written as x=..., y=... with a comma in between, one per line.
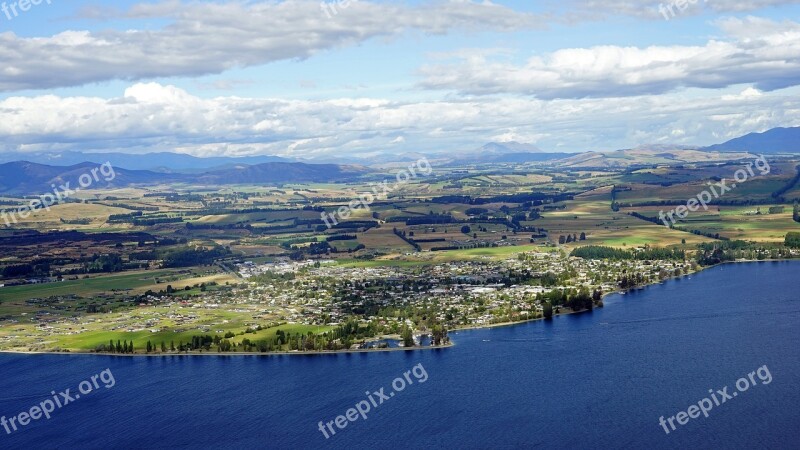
x=439, y=76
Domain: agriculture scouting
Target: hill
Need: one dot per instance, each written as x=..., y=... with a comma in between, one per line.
x=32, y=178
x=507, y=152
x=280, y=172
x=158, y=162
x=25, y=177
x=776, y=140
x=644, y=157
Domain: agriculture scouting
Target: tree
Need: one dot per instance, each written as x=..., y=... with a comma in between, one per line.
x=796, y=215
x=562, y=240
x=466, y=229
x=408, y=337
x=439, y=334
x=580, y=300
x=548, y=310
x=583, y=236
x=149, y=347
x=225, y=346
x=163, y=347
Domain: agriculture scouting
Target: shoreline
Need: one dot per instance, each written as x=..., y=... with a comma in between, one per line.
x=289, y=353
x=519, y=322
x=395, y=349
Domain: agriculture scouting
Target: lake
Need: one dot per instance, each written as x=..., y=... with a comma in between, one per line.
x=601, y=379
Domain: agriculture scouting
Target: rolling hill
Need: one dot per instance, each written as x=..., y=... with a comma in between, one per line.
x=644, y=157
x=776, y=140
x=166, y=162
x=507, y=152
x=24, y=177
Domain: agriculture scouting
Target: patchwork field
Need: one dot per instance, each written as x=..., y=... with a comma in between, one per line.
x=111, y=248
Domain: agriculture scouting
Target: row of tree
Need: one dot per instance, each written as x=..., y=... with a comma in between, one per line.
x=577, y=300
x=571, y=238
x=787, y=187
x=646, y=254
x=792, y=240
x=120, y=347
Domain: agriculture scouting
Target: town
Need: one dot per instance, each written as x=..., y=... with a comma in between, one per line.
x=386, y=302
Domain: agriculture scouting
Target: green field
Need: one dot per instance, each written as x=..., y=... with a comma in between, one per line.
x=138, y=281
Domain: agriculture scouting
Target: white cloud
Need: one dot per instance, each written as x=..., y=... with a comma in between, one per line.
x=599, y=9
x=763, y=52
x=745, y=94
x=211, y=37
x=153, y=117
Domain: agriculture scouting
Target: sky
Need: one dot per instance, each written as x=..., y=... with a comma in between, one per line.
x=309, y=79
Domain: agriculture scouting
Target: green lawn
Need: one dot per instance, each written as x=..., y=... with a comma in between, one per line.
x=83, y=287
x=138, y=281
x=90, y=340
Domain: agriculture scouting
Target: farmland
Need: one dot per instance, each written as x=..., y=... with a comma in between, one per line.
x=163, y=263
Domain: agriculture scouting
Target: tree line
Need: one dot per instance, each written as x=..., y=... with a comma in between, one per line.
x=645, y=254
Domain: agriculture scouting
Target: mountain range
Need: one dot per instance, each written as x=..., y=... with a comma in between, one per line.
x=25, y=177
x=776, y=140
x=157, y=162
x=37, y=172
x=507, y=152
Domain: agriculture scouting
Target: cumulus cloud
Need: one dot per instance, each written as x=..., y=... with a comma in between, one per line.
x=155, y=117
x=210, y=37
x=599, y=9
x=755, y=50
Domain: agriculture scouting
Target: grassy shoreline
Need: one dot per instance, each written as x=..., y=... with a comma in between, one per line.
x=284, y=353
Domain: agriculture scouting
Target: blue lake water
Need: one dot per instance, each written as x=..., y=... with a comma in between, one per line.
x=595, y=380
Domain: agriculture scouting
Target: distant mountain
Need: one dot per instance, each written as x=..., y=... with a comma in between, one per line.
x=776, y=140
x=664, y=147
x=508, y=152
x=31, y=178
x=644, y=157
x=502, y=148
x=513, y=158
x=279, y=172
x=24, y=177
x=373, y=160
x=158, y=162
